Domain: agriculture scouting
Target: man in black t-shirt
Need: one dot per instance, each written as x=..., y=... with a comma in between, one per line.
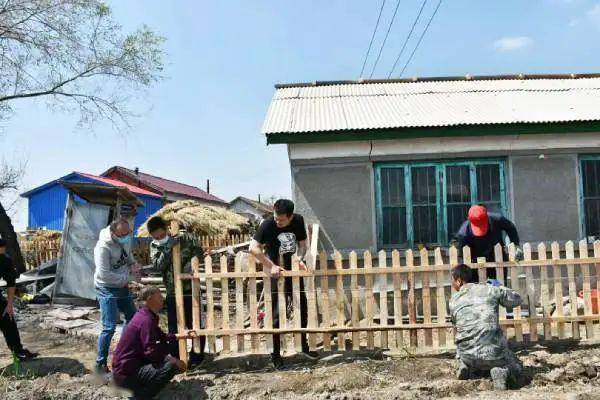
x=281, y=236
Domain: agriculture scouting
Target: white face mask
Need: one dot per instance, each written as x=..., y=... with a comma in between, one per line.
x=163, y=240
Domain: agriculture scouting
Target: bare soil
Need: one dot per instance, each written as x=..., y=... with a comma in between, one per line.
x=568, y=370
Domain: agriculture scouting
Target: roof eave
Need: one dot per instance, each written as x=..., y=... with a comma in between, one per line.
x=440, y=131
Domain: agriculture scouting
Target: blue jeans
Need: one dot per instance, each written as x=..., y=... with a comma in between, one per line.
x=112, y=300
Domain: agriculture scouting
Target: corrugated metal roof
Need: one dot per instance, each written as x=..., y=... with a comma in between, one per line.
x=383, y=105
x=116, y=183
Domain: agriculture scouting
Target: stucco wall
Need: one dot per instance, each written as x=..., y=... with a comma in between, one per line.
x=339, y=198
x=545, y=197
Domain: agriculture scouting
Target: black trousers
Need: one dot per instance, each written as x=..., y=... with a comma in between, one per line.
x=288, y=298
x=9, y=329
x=150, y=379
x=172, y=322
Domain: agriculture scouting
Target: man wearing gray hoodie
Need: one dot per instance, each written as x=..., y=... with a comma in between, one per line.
x=111, y=278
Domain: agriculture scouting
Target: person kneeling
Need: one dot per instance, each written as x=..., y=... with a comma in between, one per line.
x=141, y=362
x=480, y=345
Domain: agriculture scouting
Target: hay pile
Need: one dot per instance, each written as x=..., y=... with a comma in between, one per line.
x=200, y=219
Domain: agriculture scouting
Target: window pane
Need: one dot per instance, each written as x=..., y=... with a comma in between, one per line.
x=458, y=197
x=488, y=183
x=392, y=191
x=394, y=225
x=424, y=196
x=591, y=178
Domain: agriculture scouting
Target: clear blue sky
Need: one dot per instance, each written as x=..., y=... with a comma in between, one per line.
x=223, y=58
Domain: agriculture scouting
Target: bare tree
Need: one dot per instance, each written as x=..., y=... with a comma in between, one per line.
x=74, y=55
x=10, y=178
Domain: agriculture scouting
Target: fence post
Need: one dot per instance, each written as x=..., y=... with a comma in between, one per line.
x=426, y=296
x=252, y=304
x=397, y=281
x=339, y=301
x=558, y=292
x=529, y=282
x=545, y=292
x=196, y=302
x=412, y=307
x=325, y=301
x=176, y=253
x=369, y=299
x=587, y=300
x=383, y=305
x=225, y=305
x=597, y=255
x=239, y=304
x=355, y=301
x=210, y=305
x=440, y=297
x=570, y=252
x=515, y=285
x=268, y=318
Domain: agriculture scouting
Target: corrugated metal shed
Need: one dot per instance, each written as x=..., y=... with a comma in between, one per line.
x=351, y=106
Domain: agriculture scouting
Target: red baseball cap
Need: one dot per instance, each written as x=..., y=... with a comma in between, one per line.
x=480, y=223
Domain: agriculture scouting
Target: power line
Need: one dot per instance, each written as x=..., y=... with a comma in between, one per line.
x=407, y=38
x=385, y=39
x=421, y=38
x=372, y=38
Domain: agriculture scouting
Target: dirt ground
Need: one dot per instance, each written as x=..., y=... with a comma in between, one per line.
x=566, y=371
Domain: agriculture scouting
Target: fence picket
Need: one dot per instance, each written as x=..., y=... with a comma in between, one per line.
x=383, y=305
x=440, y=298
x=268, y=313
x=397, y=280
x=355, y=319
x=312, y=302
x=196, y=302
x=178, y=284
x=544, y=292
x=210, y=305
x=325, y=301
x=339, y=302
x=570, y=252
x=558, y=292
x=529, y=283
x=225, y=305
x=239, y=304
x=499, y=257
x=587, y=300
x=296, y=303
x=426, y=296
x=412, y=307
x=369, y=299
x=453, y=253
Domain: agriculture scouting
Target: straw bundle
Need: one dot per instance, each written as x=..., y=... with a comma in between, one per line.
x=200, y=219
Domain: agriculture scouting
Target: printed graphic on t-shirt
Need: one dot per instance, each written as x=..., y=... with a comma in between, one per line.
x=287, y=242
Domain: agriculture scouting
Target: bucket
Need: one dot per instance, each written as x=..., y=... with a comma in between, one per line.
x=594, y=296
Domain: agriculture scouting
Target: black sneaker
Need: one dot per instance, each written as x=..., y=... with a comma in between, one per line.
x=101, y=369
x=463, y=373
x=313, y=355
x=25, y=355
x=277, y=362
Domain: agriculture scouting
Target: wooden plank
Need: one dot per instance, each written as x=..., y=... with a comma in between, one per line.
x=397, y=280
x=587, y=290
x=544, y=292
x=268, y=304
x=515, y=285
x=570, y=254
x=426, y=296
x=499, y=257
x=453, y=253
x=325, y=301
x=558, y=292
x=225, y=305
x=253, y=305
x=369, y=299
x=355, y=318
x=196, y=303
x=176, y=253
x=440, y=298
x=597, y=255
x=282, y=307
x=296, y=302
x=412, y=307
x=339, y=302
x=239, y=304
x=383, y=306
x=533, y=334
x=311, y=302
x=210, y=305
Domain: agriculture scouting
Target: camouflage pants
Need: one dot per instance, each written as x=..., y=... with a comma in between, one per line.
x=510, y=362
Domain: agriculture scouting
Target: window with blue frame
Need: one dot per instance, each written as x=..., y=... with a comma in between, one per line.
x=425, y=203
x=590, y=195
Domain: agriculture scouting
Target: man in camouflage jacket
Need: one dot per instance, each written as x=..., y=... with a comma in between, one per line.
x=480, y=344
x=161, y=256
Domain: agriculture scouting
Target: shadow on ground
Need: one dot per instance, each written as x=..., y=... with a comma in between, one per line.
x=44, y=366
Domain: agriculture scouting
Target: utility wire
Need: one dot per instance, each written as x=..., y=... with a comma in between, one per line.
x=421, y=38
x=372, y=38
x=385, y=39
x=407, y=38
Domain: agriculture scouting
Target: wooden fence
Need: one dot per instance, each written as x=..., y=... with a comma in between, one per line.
x=37, y=252
x=389, y=301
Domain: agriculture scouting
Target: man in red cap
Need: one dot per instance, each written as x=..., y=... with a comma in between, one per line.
x=483, y=231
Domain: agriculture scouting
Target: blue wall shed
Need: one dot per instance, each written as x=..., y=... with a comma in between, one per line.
x=46, y=204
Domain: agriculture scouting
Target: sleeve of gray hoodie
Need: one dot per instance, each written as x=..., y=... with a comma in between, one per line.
x=105, y=274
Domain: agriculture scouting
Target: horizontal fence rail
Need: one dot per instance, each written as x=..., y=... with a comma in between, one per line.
x=389, y=299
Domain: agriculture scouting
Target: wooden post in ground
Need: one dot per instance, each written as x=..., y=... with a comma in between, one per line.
x=369, y=299
x=210, y=305
x=383, y=305
x=339, y=302
x=544, y=292
x=515, y=285
x=176, y=253
x=296, y=299
x=252, y=304
x=397, y=281
x=558, y=292
x=325, y=301
x=570, y=252
x=440, y=298
x=313, y=320
x=533, y=334
x=426, y=296
x=282, y=307
x=412, y=307
x=268, y=316
x=597, y=255
x=587, y=289
x=225, y=305
x=196, y=302
x=239, y=304
x=355, y=302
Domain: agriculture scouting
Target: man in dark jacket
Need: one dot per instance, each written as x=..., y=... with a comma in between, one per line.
x=141, y=361
x=7, y=313
x=483, y=231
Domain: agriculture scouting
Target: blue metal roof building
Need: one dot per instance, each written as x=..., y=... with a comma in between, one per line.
x=46, y=203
